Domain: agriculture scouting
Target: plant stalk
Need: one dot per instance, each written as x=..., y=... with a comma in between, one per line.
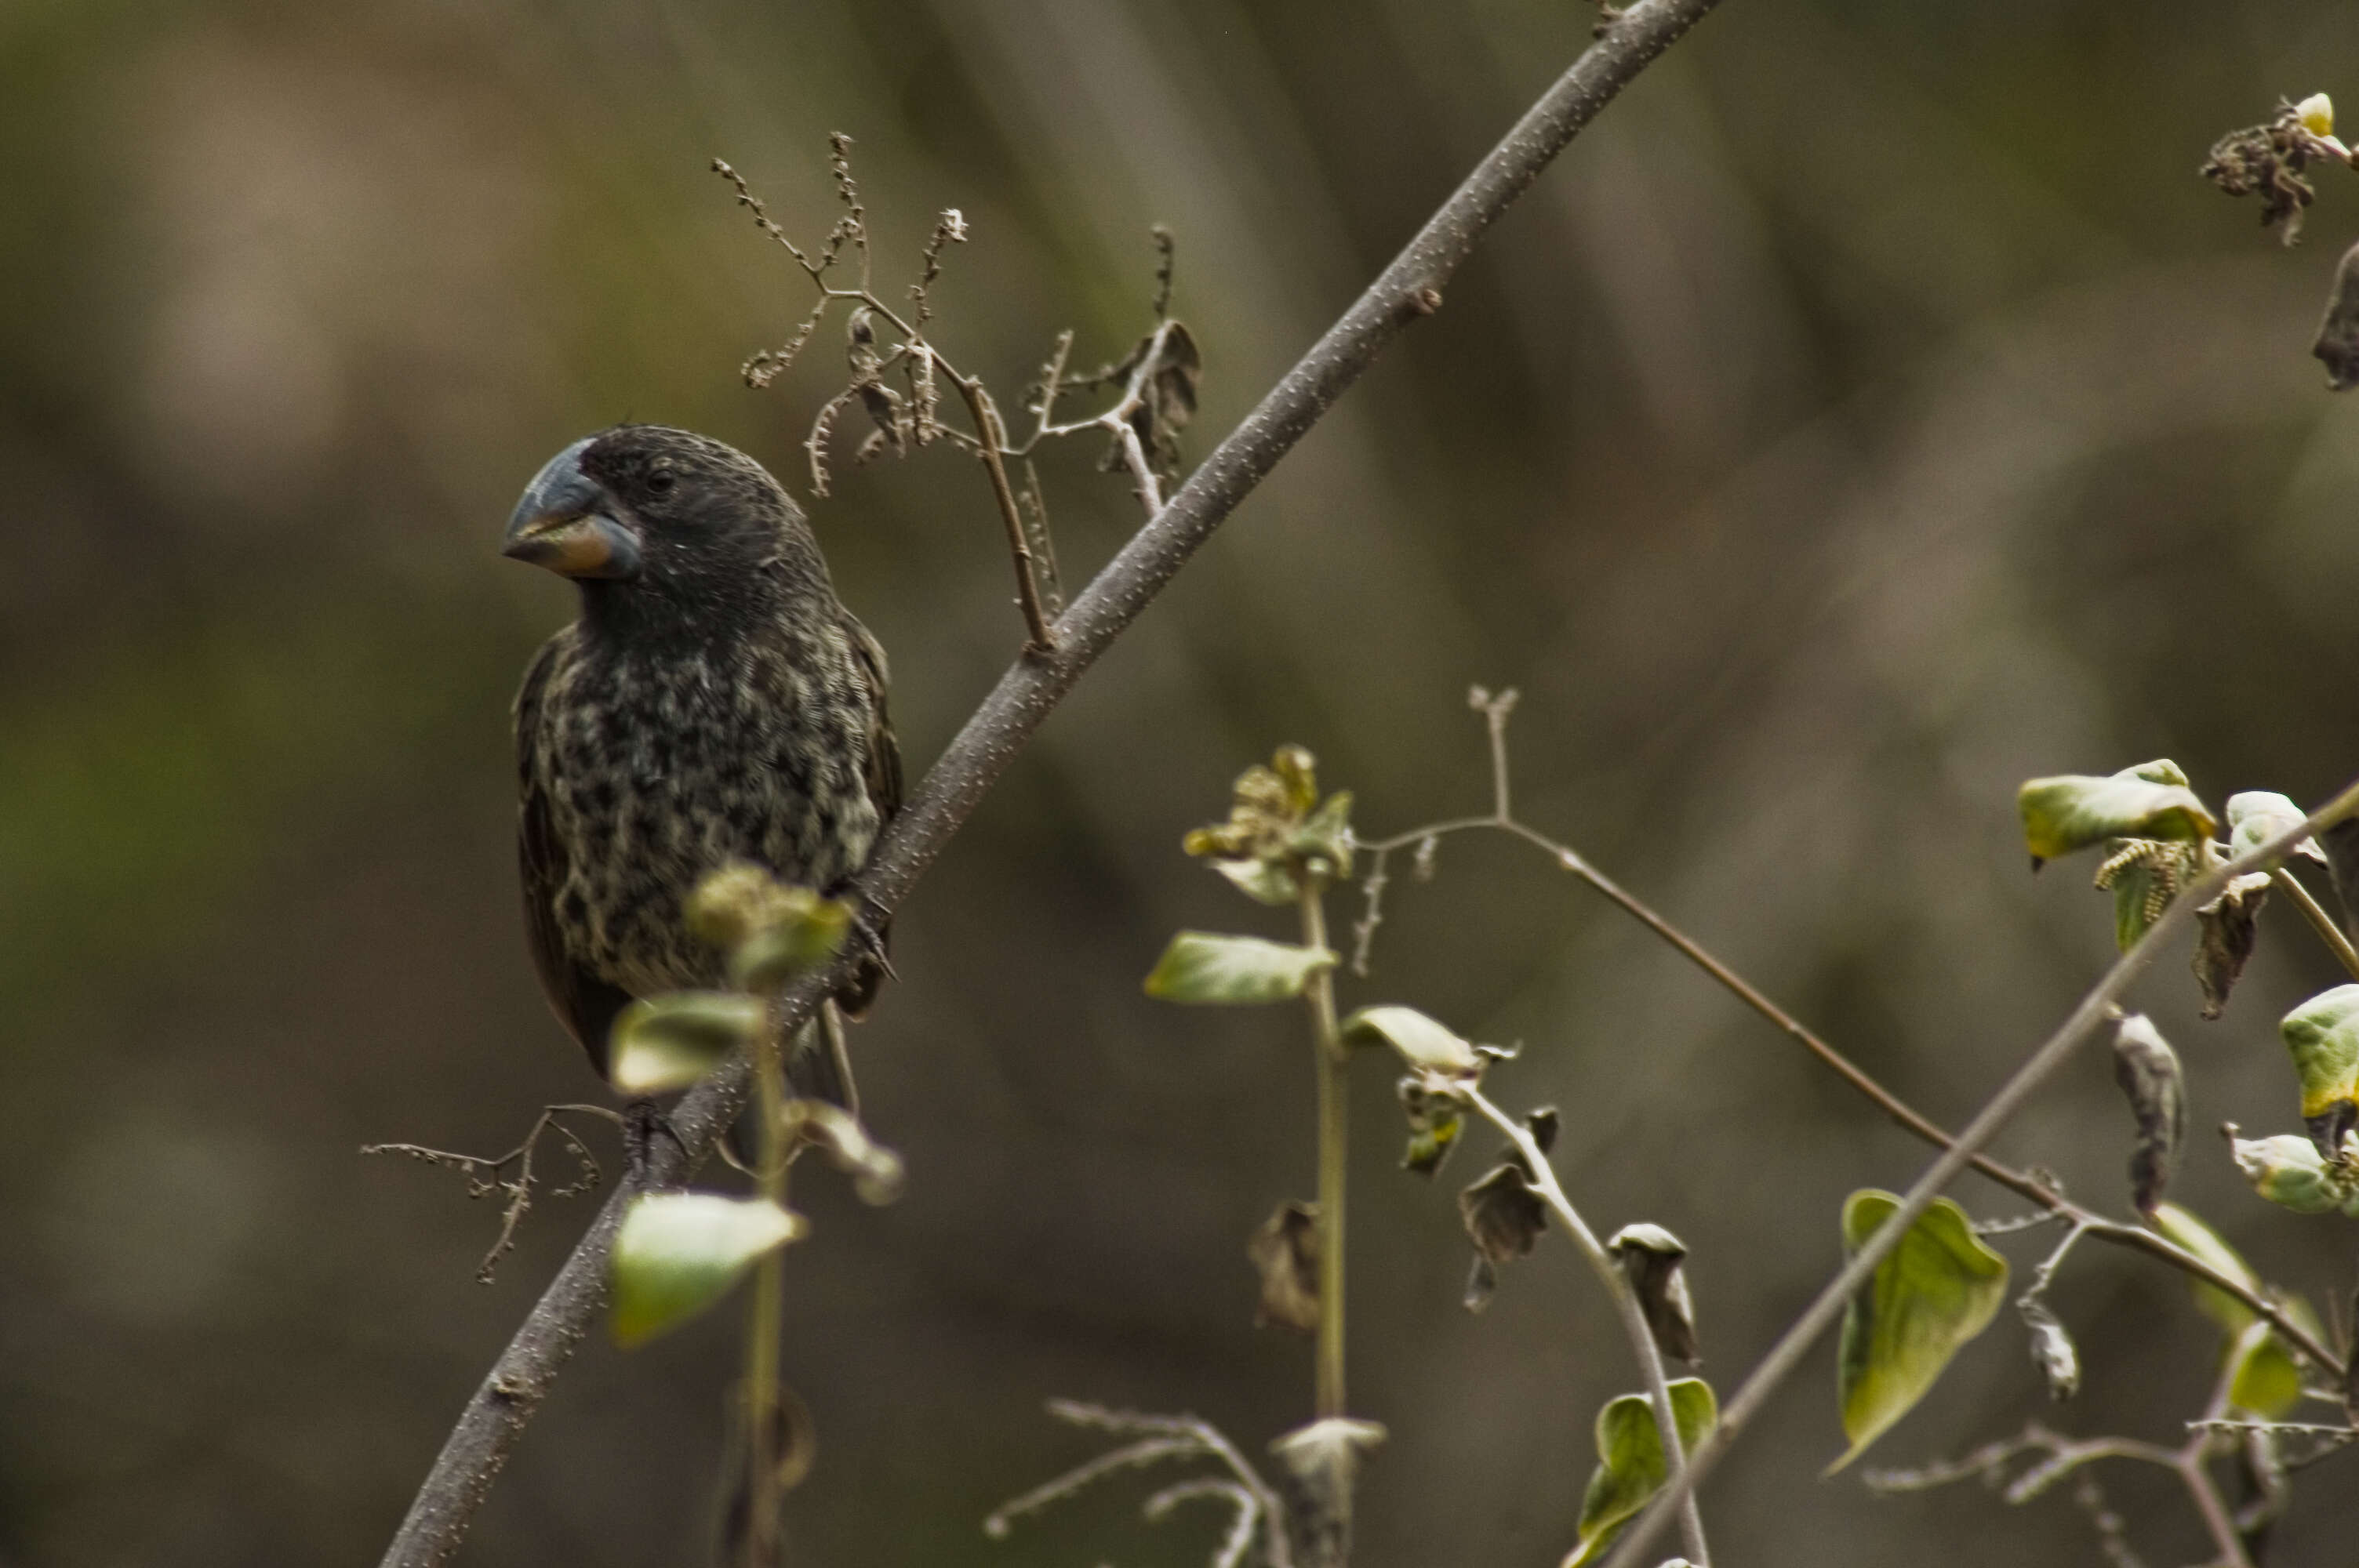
x=1333, y=1133
x=765, y=1316
x=2320, y=921
x=1625, y=1305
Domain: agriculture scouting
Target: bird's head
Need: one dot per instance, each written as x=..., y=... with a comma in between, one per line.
x=656, y=522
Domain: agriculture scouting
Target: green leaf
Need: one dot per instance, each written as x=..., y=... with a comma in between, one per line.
x=2258, y=816
x=1435, y=1124
x=669, y=1042
x=804, y=940
x=2269, y=1382
x=2322, y=1035
x=1421, y=1042
x=1933, y=1293
x=770, y=929
x=2181, y=1226
x=2288, y=1171
x=677, y=1253
x=1324, y=840
x=1200, y=966
x=2145, y=875
x=1264, y=882
x=2073, y=811
x=1630, y=1468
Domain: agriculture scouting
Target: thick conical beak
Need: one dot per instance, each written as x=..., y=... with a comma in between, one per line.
x=562, y=523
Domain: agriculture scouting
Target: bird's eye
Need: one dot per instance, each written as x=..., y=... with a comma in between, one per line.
x=661, y=481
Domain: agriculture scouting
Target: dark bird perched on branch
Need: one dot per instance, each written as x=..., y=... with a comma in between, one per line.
x=714, y=703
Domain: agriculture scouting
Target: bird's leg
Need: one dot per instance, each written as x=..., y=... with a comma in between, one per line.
x=874, y=940
x=643, y=1122
x=831, y=1024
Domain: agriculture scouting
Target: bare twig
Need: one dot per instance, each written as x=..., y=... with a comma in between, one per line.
x=993, y=445
x=1542, y=1178
x=2095, y=1008
x=495, y=1417
x=2061, y=1456
x=1157, y=1438
x=484, y=1176
x=2037, y=1188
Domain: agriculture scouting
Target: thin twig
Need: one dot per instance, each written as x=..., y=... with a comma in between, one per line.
x=2093, y=1010
x=495, y=1416
x=484, y=1176
x=993, y=444
x=1542, y=1177
x=1157, y=1438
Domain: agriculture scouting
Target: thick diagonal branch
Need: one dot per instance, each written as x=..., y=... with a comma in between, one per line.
x=1407, y=289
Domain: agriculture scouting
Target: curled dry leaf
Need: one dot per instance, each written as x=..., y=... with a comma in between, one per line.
x=2226, y=929
x=1321, y=1464
x=1651, y=1259
x=1285, y=1252
x=2052, y=1350
x=2147, y=1071
x=2268, y=160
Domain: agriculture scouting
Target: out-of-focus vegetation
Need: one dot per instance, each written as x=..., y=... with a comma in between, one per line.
x=1871, y=412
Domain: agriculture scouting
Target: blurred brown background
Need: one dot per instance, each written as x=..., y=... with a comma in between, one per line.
x=1871, y=411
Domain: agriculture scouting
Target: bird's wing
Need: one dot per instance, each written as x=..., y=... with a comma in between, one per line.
x=883, y=777
x=585, y=1004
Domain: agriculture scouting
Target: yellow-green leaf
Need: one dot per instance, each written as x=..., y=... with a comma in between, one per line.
x=676, y=1253
x=2322, y=1035
x=2289, y=1171
x=1264, y=882
x=1931, y=1294
x=1200, y=966
x=1630, y=1467
x=1421, y=1042
x=669, y=1042
x=2269, y=1382
x=2075, y=810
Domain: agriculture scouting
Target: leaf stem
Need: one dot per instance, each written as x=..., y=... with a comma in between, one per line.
x=1334, y=1146
x=2320, y=921
x=1626, y=1305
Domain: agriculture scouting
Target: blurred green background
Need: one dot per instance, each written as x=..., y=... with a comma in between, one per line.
x=1873, y=410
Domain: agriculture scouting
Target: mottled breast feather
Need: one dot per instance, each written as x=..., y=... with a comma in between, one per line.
x=643, y=768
